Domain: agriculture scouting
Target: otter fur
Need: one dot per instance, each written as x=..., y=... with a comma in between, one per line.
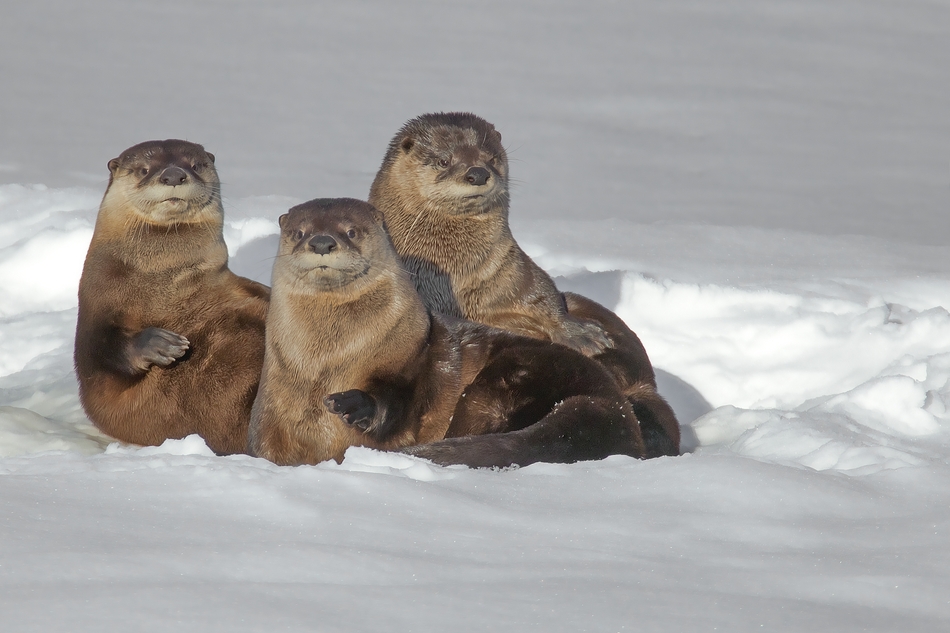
x=169, y=342
x=354, y=357
x=443, y=189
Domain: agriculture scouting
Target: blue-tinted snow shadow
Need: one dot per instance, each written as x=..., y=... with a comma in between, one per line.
x=687, y=402
x=255, y=259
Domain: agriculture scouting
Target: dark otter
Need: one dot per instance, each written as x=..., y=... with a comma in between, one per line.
x=169, y=342
x=353, y=357
x=443, y=189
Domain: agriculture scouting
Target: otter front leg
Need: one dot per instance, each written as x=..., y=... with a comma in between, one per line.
x=375, y=414
x=152, y=346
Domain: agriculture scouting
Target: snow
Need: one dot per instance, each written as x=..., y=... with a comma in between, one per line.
x=758, y=188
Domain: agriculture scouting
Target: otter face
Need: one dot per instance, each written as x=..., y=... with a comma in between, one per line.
x=333, y=245
x=460, y=165
x=167, y=182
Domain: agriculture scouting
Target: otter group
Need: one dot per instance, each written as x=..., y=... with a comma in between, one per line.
x=412, y=323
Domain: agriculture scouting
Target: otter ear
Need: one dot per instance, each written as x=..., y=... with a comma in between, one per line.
x=407, y=143
x=378, y=216
x=210, y=156
x=282, y=221
x=113, y=165
x=497, y=135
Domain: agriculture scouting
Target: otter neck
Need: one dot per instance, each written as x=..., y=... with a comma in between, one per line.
x=341, y=333
x=152, y=248
x=456, y=244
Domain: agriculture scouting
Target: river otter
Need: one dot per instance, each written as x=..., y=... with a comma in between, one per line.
x=443, y=189
x=353, y=357
x=169, y=342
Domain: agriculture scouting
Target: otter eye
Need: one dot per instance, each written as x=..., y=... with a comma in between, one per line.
x=443, y=163
x=298, y=234
x=196, y=167
x=143, y=171
x=351, y=233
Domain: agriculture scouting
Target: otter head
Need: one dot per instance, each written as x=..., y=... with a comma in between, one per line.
x=166, y=183
x=455, y=161
x=334, y=247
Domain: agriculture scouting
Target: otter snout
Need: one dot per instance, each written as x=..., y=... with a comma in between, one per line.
x=322, y=244
x=477, y=176
x=173, y=176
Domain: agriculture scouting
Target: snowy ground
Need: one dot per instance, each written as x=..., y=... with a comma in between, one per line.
x=760, y=189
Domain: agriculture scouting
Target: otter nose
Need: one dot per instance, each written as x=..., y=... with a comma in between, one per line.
x=173, y=176
x=477, y=175
x=322, y=244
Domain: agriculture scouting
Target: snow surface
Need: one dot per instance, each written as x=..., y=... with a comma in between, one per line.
x=760, y=189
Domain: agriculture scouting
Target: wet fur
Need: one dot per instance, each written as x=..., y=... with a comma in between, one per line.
x=466, y=262
x=169, y=342
x=362, y=362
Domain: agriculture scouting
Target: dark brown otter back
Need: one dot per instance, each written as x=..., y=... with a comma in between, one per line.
x=457, y=242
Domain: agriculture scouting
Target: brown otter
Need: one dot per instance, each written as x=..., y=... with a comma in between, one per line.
x=443, y=189
x=168, y=340
x=353, y=357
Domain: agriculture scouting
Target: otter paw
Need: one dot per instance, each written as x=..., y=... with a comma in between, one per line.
x=356, y=408
x=587, y=337
x=156, y=346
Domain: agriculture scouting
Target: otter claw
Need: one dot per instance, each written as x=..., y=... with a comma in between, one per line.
x=356, y=408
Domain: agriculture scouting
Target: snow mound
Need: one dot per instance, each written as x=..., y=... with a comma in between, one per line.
x=365, y=460
x=190, y=445
x=875, y=426
x=759, y=348
x=24, y=432
x=836, y=376
x=43, y=242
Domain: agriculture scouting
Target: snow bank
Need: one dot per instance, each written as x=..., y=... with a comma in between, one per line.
x=809, y=382
x=762, y=348
x=759, y=188
x=831, y=376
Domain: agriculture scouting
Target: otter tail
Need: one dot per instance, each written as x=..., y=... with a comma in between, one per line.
x=581, y=428
x=658, y=424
